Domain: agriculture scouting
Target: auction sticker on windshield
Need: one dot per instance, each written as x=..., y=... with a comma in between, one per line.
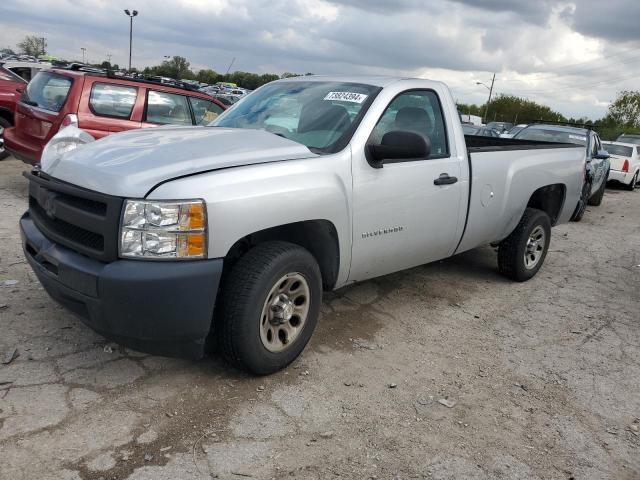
x=346, y=97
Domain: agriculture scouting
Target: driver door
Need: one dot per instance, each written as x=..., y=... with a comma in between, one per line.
x=401, y=218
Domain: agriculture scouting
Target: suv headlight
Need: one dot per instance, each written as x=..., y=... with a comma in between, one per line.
x=163, y=230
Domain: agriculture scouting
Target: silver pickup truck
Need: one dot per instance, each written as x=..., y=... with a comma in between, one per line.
x=173, y=238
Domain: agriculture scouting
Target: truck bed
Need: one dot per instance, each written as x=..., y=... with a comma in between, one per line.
x=477, y=143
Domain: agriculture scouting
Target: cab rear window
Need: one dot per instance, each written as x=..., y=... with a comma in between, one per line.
x=47, y=91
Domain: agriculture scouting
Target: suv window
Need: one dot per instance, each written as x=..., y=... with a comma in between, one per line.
x=47, y=91
x=594, y=145
x=6, y=74
x=204, y=110
x=415, y=111
x=23, y=72
x=168, y=108
x=110, y=100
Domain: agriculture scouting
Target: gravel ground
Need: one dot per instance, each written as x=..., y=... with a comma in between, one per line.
x=541, y=379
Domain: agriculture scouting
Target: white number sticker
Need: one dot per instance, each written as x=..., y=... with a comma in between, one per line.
x=346, y=97
x=577, y=137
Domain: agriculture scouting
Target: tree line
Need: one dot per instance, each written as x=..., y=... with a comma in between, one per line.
x=623, y=114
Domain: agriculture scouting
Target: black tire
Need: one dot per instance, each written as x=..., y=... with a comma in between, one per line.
x=632, y=186
x=596, y=199
x=582, y=203
x=4, y=123
x=511, y=251
x=244, y=294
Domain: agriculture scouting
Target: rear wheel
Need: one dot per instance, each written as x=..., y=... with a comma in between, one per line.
x=4, y=123
x=522, y=253
x=270, y=306
x=633, y=183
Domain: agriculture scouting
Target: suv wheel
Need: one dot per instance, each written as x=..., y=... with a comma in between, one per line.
x=582, y=203
x=270, y=306
x=596, y=199
x=4, y=123
x=522, y=253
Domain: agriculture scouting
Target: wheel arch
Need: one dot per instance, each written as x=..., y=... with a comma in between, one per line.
x=7, y=115
x=319, y=237
x=550, y=199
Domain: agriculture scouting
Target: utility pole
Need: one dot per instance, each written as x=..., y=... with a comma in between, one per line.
x=44, y=45
x=229, y=68
x=83, y=50
x=109, y=58
x=130, y=15
x=486, y=110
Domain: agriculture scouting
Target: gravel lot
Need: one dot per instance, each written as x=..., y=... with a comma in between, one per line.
x=543, y=378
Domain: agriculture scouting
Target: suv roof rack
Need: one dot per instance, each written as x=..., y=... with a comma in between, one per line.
x=565, y=124
x=142, y=78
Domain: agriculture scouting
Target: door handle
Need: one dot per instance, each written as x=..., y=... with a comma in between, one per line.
x=445, y=179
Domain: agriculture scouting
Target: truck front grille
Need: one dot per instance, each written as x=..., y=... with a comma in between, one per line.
x=80, y=219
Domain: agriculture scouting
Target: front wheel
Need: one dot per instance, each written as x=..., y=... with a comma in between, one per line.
x=522, y=253
x=270, y=306
x=596, y=199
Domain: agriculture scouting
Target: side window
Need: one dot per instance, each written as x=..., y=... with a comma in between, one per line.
x=111, y=100
x=23, y=72
x=204, y=110
x=168, y=108
x=416, y=111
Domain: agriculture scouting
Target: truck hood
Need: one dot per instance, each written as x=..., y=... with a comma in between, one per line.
x=131, y=163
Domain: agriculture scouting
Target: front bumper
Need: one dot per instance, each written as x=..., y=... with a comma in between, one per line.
x=162, y=308
x=622, y=177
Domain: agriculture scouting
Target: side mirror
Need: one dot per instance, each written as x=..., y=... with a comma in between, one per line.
x=398, y=145
x=602, y=155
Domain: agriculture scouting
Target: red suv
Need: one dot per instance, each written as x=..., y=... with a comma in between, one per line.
x=11, y=87
x=99, y=104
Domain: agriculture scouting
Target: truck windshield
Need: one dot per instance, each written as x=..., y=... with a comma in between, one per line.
x=550, y=134
x=320, y=115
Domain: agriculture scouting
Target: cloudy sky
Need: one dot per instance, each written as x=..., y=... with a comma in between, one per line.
x=572, y=55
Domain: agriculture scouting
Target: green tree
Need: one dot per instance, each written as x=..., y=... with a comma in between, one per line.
x=625, y=109
x=33, y=45
x=6, y=51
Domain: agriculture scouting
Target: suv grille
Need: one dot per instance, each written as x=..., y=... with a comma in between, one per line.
x=80, y=219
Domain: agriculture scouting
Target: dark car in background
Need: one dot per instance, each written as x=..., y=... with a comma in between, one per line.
x=479, y=131
x=629, y=138
x=100, y=104
x=597, y=159
x=500, y=127
x=11, y=88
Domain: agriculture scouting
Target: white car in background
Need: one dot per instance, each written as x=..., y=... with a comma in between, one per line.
x=515, y=129
x=625, y=163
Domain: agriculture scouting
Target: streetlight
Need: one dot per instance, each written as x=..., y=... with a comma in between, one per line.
x=486, y=109
x=130, y=15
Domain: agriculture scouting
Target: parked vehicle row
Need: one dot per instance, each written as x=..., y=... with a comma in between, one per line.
x=100, y=104
x=168, y=240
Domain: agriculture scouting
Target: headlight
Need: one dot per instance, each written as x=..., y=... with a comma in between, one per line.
x=163, y=229
x=66, y=140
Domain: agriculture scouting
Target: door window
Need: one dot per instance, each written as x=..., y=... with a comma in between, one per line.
x=416, y=111
x=167, y=108
x=110, y=100
x=204, y=111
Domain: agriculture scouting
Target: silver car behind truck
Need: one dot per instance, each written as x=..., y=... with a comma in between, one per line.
x=169, y=239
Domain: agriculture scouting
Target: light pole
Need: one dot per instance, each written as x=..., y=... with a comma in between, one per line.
x=130, y=15
x=83, y=50
x=486, y=109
